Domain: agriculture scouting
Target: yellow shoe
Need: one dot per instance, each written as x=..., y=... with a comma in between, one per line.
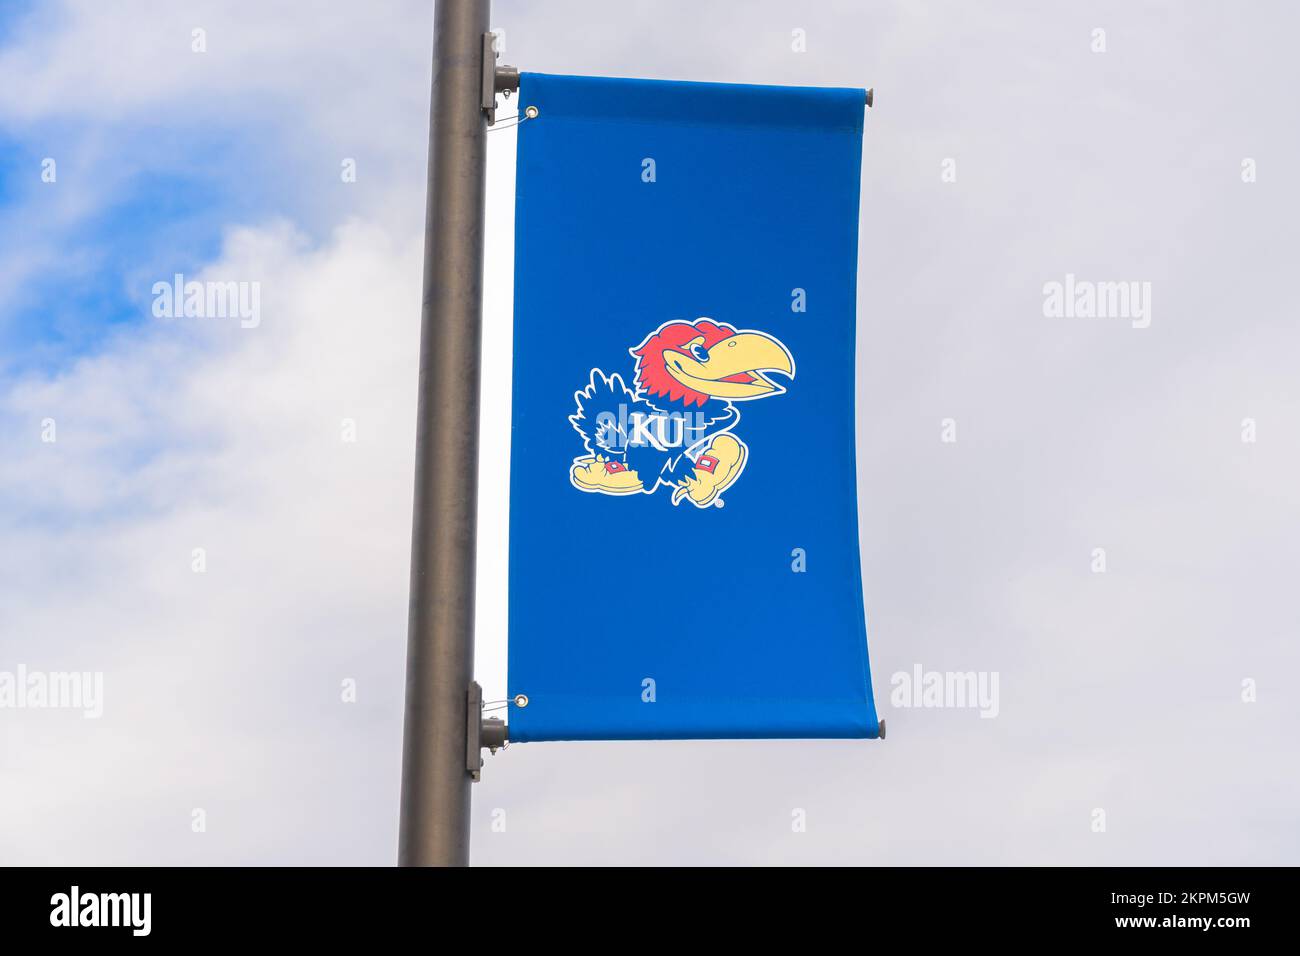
x=715, y=471
x=606, y=476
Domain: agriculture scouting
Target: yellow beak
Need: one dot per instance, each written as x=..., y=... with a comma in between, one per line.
x=735, y=367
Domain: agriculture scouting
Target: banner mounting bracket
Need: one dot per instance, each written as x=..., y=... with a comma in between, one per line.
x=480, y=732
x=495, y=79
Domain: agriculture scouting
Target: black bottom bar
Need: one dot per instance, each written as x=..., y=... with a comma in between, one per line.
x=335, y=906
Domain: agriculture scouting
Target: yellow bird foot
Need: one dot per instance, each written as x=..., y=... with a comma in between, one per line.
x=716, y=470
x=606, y=476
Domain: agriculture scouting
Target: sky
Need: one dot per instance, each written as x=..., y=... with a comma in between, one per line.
x=1145, y=714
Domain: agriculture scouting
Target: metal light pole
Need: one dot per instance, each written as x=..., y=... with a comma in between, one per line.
x=440, y=642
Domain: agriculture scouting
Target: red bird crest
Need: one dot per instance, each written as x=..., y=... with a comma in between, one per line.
x=651, y=368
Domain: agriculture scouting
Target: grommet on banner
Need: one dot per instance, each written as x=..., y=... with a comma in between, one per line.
x=528, y=114
x=521, y=700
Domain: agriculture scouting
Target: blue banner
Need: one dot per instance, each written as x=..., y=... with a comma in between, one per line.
x=683, y=492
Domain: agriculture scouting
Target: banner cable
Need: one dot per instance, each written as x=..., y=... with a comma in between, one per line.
x=529, y=114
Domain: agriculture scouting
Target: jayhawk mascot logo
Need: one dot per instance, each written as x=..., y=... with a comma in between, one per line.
x=675, y=427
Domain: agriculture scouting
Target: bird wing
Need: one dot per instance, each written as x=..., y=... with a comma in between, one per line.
x=603, y=412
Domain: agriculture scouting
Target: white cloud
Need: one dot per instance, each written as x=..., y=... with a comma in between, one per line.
x=222, y=686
